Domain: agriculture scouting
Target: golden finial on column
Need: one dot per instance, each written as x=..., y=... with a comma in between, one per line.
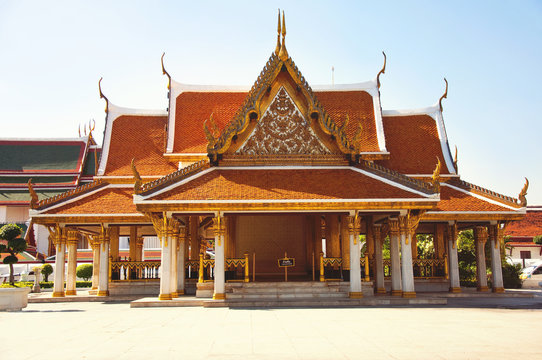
x=277, y=50
x=283, y=54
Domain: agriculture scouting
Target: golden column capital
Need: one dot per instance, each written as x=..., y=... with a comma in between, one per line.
x=481, y=233
x=377, y=232
x=452, y=234
x=394, y=228
x=72, y=236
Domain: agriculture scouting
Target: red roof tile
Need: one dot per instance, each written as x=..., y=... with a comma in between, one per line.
x=413, y=144
x=106, y=201
x=284, y=185
x=142, y=138
x=359, y=107
x=455, y=200
x=193, y=108
x=530, y=226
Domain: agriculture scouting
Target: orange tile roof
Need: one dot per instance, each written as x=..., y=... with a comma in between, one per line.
x=142, y=138
x=530, y=226
x=413, y=144
x=455, y=200
x=359, y=107
x=106, y=201
x=193, y=108
x=284, y=185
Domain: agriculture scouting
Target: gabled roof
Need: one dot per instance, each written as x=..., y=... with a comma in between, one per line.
x=530, y=226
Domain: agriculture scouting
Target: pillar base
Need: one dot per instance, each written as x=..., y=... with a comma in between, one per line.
x=409, y=294
x=103, y=293
x=58, y=294
x=498, y=290
x=174, y=295
x=396, y=292
x=71, y=292
x=180, y=292
x=355, y=295
x=482, y=288
x=455, y=290
x=164, y=297
x=219, y=296
x=381, y=291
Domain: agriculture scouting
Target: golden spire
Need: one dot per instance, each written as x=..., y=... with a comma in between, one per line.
x=283, y=53
x=277, y=50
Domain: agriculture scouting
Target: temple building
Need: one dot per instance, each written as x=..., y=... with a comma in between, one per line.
x=278, y=182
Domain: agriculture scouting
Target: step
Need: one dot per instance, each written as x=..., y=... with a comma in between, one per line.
x=318, y=303
x=320, y=290
x=267, y=296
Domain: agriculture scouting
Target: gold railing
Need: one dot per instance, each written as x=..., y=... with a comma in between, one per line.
x=205, y=269
x=331, y=262
x=241, y=263
x=366, y=265
x=134, y=270
x=429, y=268
x=192, y=268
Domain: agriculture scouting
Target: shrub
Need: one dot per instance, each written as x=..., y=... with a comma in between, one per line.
x=84, y=271
x=46, y=270
x=538, y=239
x=14, y=246
x=510, y=275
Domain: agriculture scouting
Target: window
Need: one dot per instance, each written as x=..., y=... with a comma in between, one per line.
x=525, y=254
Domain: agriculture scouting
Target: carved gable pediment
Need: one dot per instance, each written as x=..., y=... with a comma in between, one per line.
x=283, y=130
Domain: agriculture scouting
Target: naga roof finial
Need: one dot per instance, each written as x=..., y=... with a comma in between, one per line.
x=137, y=178
x=102, y=96
x=79, y=130
x=444, y=96
x=345, y=123
x=435, y=179
x=455, y=160
x=33, y=196
x=277, y=50
x=211, y=134
x=356, y=141
x=381, y=71
x=164, y=72
x=283, y=53
x=522, y=195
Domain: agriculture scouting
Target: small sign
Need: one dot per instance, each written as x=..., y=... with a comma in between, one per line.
x=286, y=262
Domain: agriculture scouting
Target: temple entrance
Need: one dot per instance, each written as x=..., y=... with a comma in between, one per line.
x=269, y=237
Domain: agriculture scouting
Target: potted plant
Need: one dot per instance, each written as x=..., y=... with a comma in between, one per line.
x=12, y=298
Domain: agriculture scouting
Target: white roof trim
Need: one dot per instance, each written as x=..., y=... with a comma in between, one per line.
x=252, y=168
x=477, y=212
x=84, y=215
x=81, y=139
x=286, y=201
x=114, y=113
x=436, y=114
x=480, y=197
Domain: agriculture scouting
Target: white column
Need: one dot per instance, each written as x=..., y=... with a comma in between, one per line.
x=480, y=234
x=165, y=273
x=219, y=225
x=173, y=274
x=103, y=284
x=180, y=263
x=407, y=272
x=395, y=260
x=95, y=245
x=496, y=265
x=379, y=261
x=355, y=254
x=58, y=288
x=453, y=264
x=72, y=262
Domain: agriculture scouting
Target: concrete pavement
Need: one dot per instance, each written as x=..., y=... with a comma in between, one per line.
x=115, y=331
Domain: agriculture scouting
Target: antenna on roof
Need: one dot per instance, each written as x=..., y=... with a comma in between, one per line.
x=277, y=50
x=332, y=76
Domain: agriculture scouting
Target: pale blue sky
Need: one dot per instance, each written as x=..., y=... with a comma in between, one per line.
x=53, y=53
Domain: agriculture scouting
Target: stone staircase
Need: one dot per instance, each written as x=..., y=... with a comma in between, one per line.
x=288, y=294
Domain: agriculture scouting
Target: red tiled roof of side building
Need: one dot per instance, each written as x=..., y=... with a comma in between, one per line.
x=142, y=138
x=193, y=108
x=358, y=105
x=529, y=226
x=107, y=201
x=455, y=200
x=413, y=144
x=284, y=185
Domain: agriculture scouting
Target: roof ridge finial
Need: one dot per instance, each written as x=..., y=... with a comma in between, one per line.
x=455, y=160
x=435, y=179
x=522, y=195
x=277, y=50
x=283, y=53
x=102, y=96
x=33, y=196
x=164, y=72
x=444, y=96
x=381, y=71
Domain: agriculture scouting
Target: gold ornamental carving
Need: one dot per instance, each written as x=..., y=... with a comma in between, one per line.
x=219, y=228
x=452, y=234
x=283, y=130
x=394, y=228
x=165, y=227
x=481, y=233
x=57, y=234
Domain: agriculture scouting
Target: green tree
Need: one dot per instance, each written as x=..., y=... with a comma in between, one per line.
x=84, y=271
x=14, y=245
x=466, y=256
x=425, y=246
x=46, y=270
x=538, y=239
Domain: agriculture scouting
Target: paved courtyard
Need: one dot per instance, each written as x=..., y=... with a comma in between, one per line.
x=463, y=329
